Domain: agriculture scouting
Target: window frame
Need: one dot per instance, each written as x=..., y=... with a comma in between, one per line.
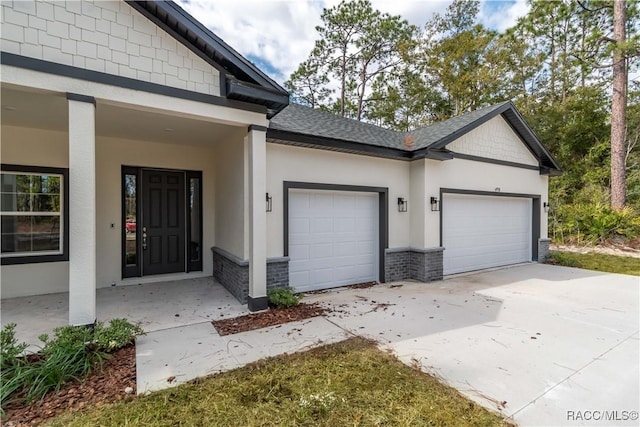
x=130, y=270
x=25, y=257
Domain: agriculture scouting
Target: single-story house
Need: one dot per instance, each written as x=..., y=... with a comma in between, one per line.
x=137, y=146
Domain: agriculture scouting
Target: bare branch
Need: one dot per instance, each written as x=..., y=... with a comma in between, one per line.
x=597, y=9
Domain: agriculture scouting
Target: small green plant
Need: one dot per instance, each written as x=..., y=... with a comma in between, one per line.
x=9, y=347
x=283, y=297
x=118, y=334
x=71, y=355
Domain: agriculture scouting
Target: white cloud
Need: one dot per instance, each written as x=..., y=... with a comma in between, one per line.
x=501, y=14
x=279, y=32
x=282, y=32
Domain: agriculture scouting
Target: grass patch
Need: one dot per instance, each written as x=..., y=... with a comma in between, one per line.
x=349, y=383
x=596, y=261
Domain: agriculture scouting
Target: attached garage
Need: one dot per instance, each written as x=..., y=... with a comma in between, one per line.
x=482, y=231
x=333, y=238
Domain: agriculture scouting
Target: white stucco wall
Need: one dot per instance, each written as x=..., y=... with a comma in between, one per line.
x=417, y=204
x=230, y=189
x=495, y=140
x=44, y=147
x=289, y=163
x=478, y=176
x=105, y=36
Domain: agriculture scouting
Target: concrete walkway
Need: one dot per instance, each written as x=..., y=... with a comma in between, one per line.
x=174, y=356
x=156, y=306
x=541, y=344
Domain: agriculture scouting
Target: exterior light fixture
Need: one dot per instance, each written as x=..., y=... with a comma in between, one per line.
x=546, y=206
x=435, y=204
x=402, y=204
x=269, y=203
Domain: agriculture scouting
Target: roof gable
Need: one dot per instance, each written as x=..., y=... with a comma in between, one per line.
x=494, y=139
x=243, y=80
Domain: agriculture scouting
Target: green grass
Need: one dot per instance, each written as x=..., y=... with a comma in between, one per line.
x=598, y=262
x=346, y=384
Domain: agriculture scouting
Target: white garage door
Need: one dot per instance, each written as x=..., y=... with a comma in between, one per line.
x=483, y=231
x=333, y=238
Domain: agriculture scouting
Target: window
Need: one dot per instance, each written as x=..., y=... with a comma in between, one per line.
x=194, y=226
x=130, y=241
x=34, y=214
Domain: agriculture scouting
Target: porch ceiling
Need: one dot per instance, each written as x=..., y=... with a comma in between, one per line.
x=47, y=110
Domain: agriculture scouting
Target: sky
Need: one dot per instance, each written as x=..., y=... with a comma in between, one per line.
x=277, y=35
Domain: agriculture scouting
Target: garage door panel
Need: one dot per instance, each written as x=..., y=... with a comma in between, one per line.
x=343, y=249
x=300, y=203
x=334, y=240
x=298, y=252
x=320, y=201
x=344, y=202
x=300, y=277
x=298, y=225
x=485, y=231
x=366, y=247
x=366, y=202
x=322, y=250
x=344, y=224
x=321, y=225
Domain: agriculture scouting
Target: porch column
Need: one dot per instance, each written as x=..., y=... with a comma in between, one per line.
x=82, y=210
x=257, y=218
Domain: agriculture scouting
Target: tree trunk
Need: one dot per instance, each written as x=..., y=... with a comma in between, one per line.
x=343, y=88
x=618, y=109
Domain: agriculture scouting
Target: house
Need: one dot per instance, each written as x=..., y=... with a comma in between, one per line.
x=137, y=146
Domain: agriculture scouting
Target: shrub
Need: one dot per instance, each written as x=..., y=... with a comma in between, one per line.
x=118, y=334
x=9, y=347
x=72, y=353
x=283, y=297
x=594, y=223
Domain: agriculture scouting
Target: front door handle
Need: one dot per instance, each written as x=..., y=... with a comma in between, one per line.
x=144, y=238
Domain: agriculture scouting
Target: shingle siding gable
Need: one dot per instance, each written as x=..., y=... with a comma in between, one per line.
x=105, y=36
x=494, y=139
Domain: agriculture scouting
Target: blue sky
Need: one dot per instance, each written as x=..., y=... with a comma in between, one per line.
x=279, y=34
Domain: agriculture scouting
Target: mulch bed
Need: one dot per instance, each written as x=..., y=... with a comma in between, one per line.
x=271, y=317
x=100, y=387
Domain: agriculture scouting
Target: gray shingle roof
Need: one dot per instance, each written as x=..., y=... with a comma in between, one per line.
x=324, y=129
x=308, y=121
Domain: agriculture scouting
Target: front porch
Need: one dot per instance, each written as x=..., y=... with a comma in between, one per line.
x=157, y=306
x=146, y=184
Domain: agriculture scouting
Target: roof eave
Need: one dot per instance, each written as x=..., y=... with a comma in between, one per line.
x=189, y=31
x=274, y=101
x=520, y=126
x=338, y=144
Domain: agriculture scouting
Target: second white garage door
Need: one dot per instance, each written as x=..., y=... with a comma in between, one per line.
x=484, y=231
x=333, y=238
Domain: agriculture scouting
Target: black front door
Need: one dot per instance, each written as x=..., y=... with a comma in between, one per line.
x=163, y=222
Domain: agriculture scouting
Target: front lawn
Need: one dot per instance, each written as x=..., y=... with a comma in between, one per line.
x=596, y=261
x=349, y=383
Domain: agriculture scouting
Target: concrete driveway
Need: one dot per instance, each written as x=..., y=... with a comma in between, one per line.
x=544, y=345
